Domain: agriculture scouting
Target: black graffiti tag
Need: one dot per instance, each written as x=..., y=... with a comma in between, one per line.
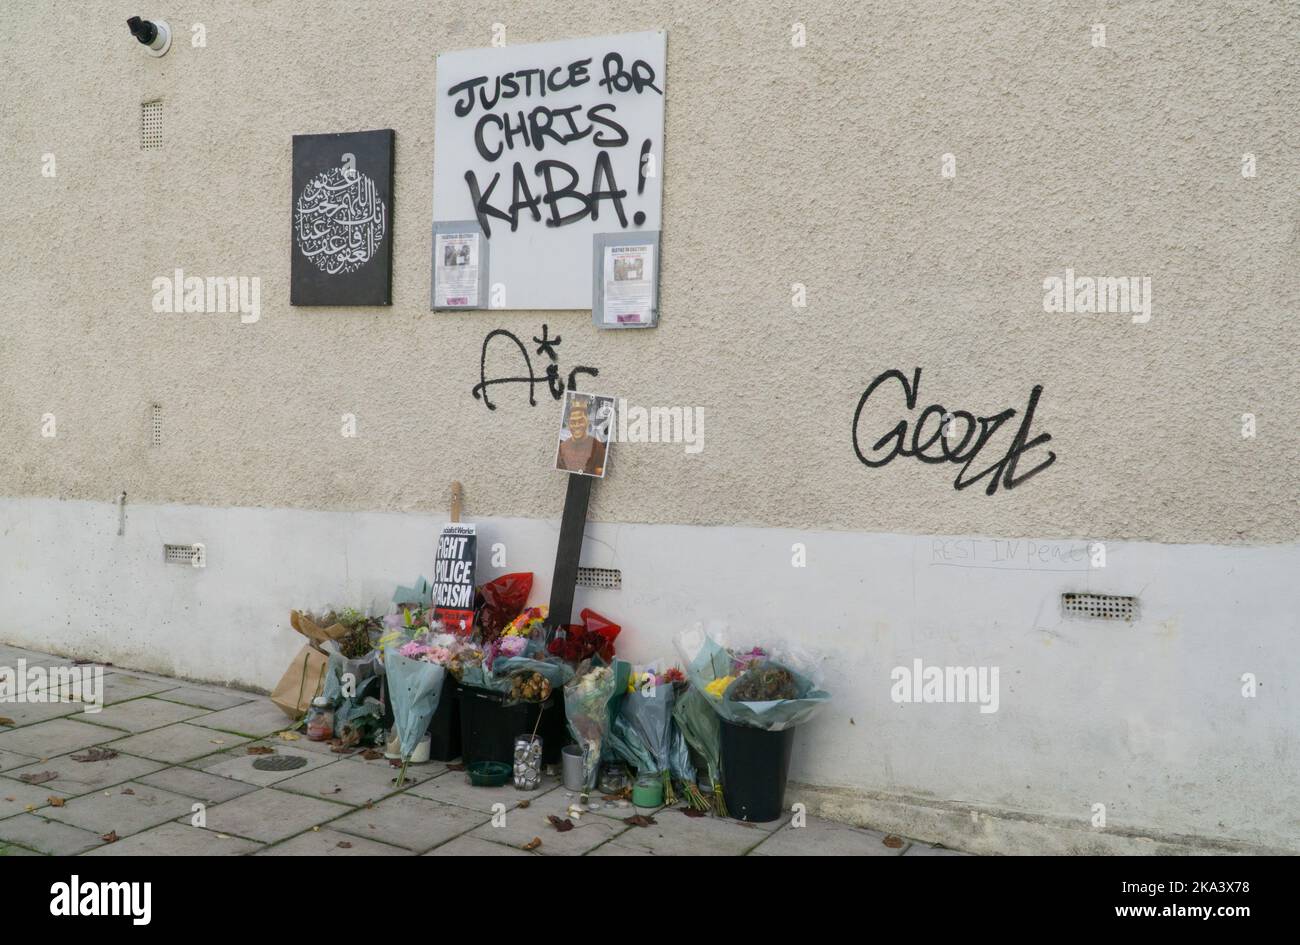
x=976, y=435
x=546, y=346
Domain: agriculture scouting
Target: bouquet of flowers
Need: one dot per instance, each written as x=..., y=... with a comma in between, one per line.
x=593, y=637
x=645, y=732
x=590, y=704
x=701, y=730
x=750, y=688
x=503, y=599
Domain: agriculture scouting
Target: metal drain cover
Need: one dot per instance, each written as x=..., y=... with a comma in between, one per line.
x=279, y=762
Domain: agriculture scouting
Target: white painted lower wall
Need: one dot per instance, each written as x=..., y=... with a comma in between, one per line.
x=1147, y=718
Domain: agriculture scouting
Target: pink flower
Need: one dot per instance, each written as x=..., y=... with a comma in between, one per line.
x=513, y=646
x=413, y=650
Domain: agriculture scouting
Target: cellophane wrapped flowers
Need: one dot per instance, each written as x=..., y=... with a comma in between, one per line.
x=590, y=702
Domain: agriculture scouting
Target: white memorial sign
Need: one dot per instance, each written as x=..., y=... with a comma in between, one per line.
x=541, y=147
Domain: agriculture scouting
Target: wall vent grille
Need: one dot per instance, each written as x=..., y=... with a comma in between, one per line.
x=194, y=556
x=1100, y=606
x=610, y=579
x=155, y=425
x=151, y=138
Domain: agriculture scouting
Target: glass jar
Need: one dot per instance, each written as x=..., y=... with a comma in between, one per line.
x=528, y=762
x=613, y=778
x=320, y=720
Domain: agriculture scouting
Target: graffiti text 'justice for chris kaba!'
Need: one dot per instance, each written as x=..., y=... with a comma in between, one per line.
x=942, y=444
x=496, y=134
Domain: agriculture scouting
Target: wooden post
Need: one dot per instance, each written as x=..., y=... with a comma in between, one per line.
x=568, y=552
x=457, y=494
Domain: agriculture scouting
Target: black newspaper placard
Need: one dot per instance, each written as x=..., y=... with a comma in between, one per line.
x=453, y=578
x=342, y=219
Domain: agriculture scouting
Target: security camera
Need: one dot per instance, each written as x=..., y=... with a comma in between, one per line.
x=154, y=35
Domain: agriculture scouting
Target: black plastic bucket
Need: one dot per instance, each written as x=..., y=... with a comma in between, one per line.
x=488, y=728
x=444, y=727
x=755, y=765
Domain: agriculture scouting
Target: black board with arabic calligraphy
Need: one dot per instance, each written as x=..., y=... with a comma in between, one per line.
x=342, y=219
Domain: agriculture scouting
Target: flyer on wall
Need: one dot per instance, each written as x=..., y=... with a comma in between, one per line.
x=456, y=258
x=629, y=284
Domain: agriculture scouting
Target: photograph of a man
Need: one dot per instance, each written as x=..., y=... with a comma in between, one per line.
x=585, y=425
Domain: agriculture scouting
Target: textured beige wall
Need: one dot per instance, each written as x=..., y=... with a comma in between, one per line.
x=817, y=165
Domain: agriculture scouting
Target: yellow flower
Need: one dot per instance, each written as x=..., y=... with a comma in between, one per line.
x=719, y=686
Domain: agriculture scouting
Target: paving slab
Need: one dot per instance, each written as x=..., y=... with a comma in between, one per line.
x=9, y=849
x=257, y=719
x=826, y=838
x=47, y=836
x=124, y=808
x=473, y=846
x=142, y=715
x=12, y=759
x=327, y=842
x=269, y=815
x=454, y=788
x=120, y=686
x=306, y=744
x=29, y=713
x=349, y=784
x=17, y=796
x=414, y=823
x=55, y=737
x=177, y=744
x=198, y=785
x=10, y=655
x=173, y=839
x=522, y=825
x=924, y=849
x=426, y=770
x=207, y=697
x=675, y=834
x=82, y=777
x=238, y=764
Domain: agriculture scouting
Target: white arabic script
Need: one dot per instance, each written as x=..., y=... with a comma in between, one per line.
x=339, y=220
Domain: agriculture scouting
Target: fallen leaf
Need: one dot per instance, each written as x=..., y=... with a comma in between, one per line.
x=371, y=754
x=315, y=829
x=394, y=762
x=55, y=801
x=343, y=845
x=7, y=721
x=692, y=812
x=39, y=778
x=30, y=808
x=9, y=799
x=639, y=820
x=561, y=824
x=524, y=804
x=289, y=736
x=892, y=842
x=223, y=836
x=261, y=750
x=533, y=844
x=127, y=791
x=455, y=766
x=342, y=750
x=334, y=790
x=217, y=741
x=96, y=754
x=110, y=837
